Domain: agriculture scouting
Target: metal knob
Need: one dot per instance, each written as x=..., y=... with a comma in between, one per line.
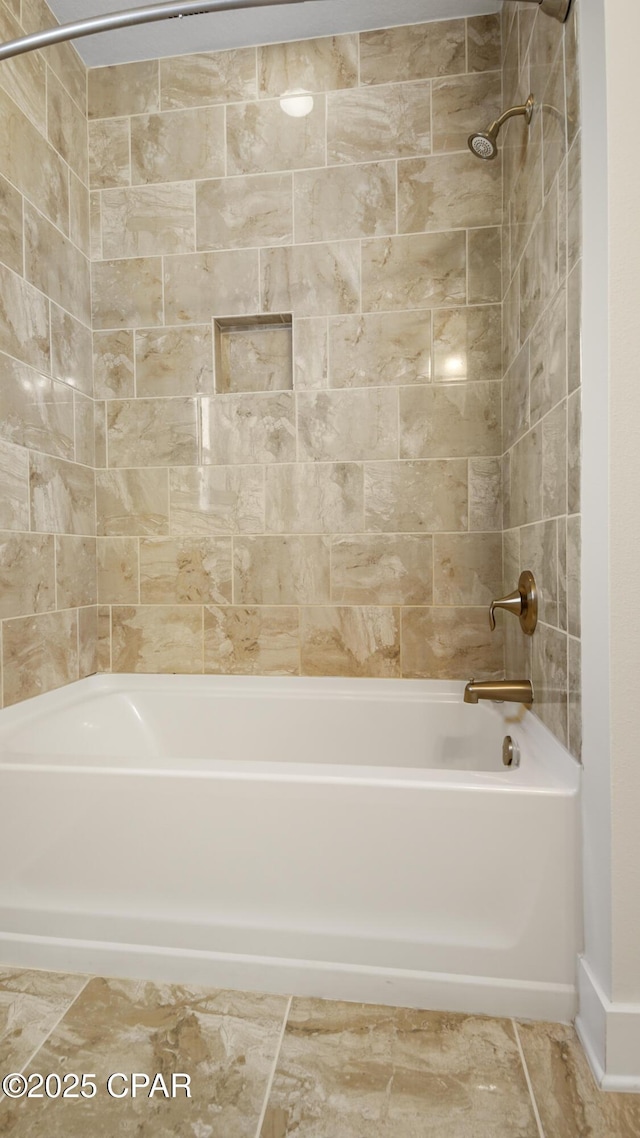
x=523, y=603
x=510, y=752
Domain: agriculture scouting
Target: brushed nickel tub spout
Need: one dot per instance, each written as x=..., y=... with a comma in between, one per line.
x=501, y=691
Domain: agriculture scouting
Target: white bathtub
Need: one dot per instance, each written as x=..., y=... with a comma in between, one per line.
x=351, y=839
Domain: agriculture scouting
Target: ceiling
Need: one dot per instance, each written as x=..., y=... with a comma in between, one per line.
x=220, y=30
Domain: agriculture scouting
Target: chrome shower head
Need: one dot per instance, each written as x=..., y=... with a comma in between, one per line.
x=484, y=143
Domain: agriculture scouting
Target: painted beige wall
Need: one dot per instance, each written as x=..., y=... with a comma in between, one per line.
x=623, y=35
x=47, y=495
x=542, y=377
x=352, y=525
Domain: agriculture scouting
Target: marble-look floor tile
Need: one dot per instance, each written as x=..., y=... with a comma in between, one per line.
x=568, y=1099
x=226, y=1041
x=355, y=1071
x=31, y=1003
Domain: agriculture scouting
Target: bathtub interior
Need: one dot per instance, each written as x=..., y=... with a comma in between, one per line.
x=392, y=724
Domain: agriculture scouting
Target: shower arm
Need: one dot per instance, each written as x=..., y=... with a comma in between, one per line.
x=129, y=18
x=558, y=9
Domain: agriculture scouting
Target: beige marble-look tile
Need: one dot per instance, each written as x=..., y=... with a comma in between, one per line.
x=452, y=644
x=310, y=353
x=548, y=378
x=39, y=653
x=574, y=449
x=10, y=226
x=132, y=502
x=88, y=641
x=31, y=164
x=575, y=698
x=574, y=557
x=350, y=641
x=62, y=496
x=314, y=498
x=348, y=1068
x=253, y=358
x=554, y=462
x=14, y=487
x=311, y=280
x=178, y=146
x=104, y=639
x=550, y=679
x=345, y=201
x=516, y=404
x=539, y=554
x=251, y=641
x=207, y=78
x=157, y=638
x=467, y=343
x=113, y=367
x=574, y=339
x=95, y=226
x=209, y=500
x=127, y=294
x=76, y=571
x=246, y=429
x=152, y=432
x=67, y=128
x=326, y=64
x=118, y=570
x=100, y=434
x=35, y=411
x=261, y=138
x=568, y=1099
x=185, y=570
x=484, y=266
x=203, y=285
x=455, y=104
x=484, y=43
x=174, y=361
x=275, y=570
x=467, y=568
x=109, y=154
x=448, y=191
x=24, y=321
x=415, y=51
x=526, y=479
x=27, y=574
x=416, y=497
x=347, y=426
x=79, y=215
x=421, y=271
x=55, y=266
x=485, y=494
x=453, y=420
x=24, y=76
x=71, y=351
x=31, y=1003
x=125, y=89
x=226, y=1041
x=379, y=349
x=248, y=211
x=371, y=123
x=148, y=221
x=382, y=569
x=84, y=422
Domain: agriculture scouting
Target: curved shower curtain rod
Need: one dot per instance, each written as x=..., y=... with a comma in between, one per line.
x=171, y=11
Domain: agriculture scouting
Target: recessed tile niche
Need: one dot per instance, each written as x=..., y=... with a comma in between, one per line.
x=254, y=353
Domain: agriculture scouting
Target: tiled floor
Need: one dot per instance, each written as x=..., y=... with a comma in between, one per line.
x=269, y=1067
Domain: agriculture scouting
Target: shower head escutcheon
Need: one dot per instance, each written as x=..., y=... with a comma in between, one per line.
x=484, y=143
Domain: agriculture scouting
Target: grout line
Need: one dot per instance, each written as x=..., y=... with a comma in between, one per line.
x=52, y=1029
x=528, y=1080
x=272, y=1076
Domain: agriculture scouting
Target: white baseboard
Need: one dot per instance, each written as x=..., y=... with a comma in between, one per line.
x=474, y=995
x=610, y=1035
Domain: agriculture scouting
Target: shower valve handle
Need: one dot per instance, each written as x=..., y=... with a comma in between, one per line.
x=523, y=603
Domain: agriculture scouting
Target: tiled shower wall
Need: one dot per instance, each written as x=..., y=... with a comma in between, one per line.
x=541, y=397
x=346, y=520
x=48, y=597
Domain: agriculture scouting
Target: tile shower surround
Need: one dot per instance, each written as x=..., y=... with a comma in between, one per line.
x=542, y=244
x=352, y=525
x=48, y=591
